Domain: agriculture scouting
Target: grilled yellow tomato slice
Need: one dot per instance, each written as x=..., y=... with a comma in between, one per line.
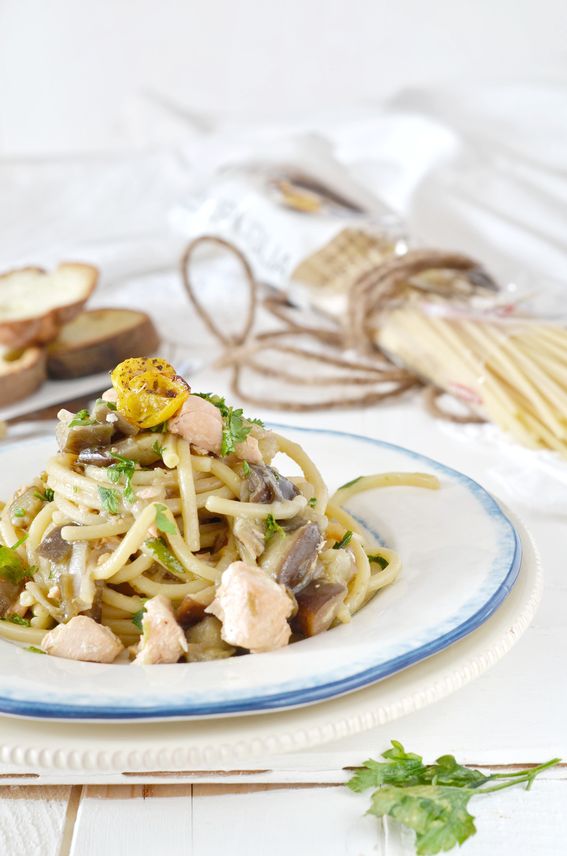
x=149, y=391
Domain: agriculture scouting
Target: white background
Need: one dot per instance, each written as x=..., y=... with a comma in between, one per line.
x=73, y=73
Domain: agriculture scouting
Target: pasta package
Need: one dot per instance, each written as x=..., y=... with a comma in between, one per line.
x=164, y=531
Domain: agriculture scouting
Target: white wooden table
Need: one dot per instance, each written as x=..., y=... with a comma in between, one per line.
x=514, y=714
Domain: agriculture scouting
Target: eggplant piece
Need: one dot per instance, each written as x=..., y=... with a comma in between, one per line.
x=54, y=547
x=103, y=455
x=9, y=593
x=78, y=437
x=105, y=414
x=25, y=506
x=95, y=612
x=292, y=558
x=317, y=606
x=189, y=612
x=265, y=484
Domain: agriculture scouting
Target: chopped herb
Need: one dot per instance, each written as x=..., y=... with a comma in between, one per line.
x=47, y=495
x=344, y=542
x=159, y=429
x=163, y=522
x=312, y=502
x=17, y=619
x=109, y=499
x=272, y=526
x=19, y=512
x=246, y=468
x=81, y=418
x=12, y=568
x=33, y=650
x=158, y=448
x=100, y=402
x=159, y=550
x=124, y=467
x=378, y=559
x=236, y=426
x=431, y=799
x=350, y=483
x=20, y=541
x=137, y=618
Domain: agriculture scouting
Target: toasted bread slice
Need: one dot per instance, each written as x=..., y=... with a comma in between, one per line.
x=21, y=373
x=34, y=304
x=97, y=339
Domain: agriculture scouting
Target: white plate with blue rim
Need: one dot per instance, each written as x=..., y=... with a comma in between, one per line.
x=460, y=558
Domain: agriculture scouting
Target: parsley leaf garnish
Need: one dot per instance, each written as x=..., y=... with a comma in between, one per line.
x=163, y=522
x=17, y=619
x=19, y=512
x=378, y=559
x=12, y=569
x=246, y=468
x=312, y=502
x=344, y=542
x=109, y=499
x=349, y=483
x=137, y=618
x=431, y=799
x=101, y=402
x=34, y=650
x=158, y=447
x=236, y=426
x=159, y=550
x=47, y=495
x=123, y=468
x=81, y=418
x=272, y=526
x=159, y=429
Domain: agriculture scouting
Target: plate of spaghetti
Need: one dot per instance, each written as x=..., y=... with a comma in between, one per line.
x=171, y=557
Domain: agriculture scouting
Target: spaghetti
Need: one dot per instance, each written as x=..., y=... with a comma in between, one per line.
x=140, y=532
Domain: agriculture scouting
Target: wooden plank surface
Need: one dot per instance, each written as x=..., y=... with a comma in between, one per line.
x=258, y=820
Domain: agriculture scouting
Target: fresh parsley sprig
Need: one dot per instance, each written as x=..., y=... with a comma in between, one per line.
x=109, y=499
x=272, y=527
x=80, y=419
x=377, y=559
x=344, y=542
x=236, y=426
x=123, y=468
x=157, y=548
x=349, y=483
x=47, y=495
x=163, y=522
x=431, y=799
x=12, y=569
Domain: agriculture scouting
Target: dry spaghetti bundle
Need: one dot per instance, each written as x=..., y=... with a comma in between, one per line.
x=510, y=370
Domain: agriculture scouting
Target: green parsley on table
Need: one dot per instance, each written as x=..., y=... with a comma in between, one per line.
x=109, y=499
x=272, y=526
x=344, y=542
x=431, y=799
x=163, y=522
